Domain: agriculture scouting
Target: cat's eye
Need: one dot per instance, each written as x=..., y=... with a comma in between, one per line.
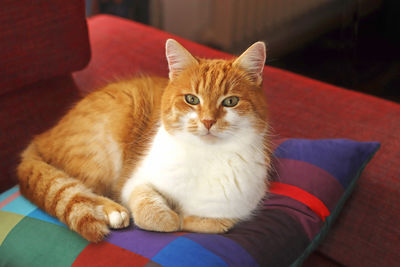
x=192, y=99
x=230, y=101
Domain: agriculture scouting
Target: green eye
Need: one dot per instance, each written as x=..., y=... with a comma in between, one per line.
x=230, y=101
x=192, y=100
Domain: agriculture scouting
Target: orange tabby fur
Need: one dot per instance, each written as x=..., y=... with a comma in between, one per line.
x=214, y=78
x=75, y=162
x=73, y=170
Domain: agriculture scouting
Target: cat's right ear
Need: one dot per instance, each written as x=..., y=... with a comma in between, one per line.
x=178, y=58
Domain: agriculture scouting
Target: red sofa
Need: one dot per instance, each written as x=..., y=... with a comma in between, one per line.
x=50, y=56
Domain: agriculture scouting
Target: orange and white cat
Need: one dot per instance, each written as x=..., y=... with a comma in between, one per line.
x=190, y=153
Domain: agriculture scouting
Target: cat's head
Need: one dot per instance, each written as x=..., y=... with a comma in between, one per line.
x=212, y=99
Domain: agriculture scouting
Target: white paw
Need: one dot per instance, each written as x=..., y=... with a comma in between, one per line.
x=118, y=219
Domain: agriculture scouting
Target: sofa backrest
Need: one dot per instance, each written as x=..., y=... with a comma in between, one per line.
x=41, y=43
x=41, y=39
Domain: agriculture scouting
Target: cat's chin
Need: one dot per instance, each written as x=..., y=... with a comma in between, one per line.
x=209, y=138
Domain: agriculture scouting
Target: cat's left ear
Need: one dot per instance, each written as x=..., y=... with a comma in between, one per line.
x=178, y=58
x=252, y=61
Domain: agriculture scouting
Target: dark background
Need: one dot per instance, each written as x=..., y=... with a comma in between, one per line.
x=363, y=55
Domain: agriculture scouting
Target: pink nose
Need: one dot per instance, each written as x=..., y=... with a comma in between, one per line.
x=208, y=123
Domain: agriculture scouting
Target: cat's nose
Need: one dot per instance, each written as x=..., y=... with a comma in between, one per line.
x=208, y=123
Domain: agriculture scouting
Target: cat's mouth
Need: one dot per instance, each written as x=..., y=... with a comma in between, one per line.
x=209, y=137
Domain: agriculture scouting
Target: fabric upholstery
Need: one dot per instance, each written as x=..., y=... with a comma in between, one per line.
x=282, y=232
x=41, y=39
x=122, y=49
x=299, y=107
x=41, y=42
x=28, y=111
x=317, y=259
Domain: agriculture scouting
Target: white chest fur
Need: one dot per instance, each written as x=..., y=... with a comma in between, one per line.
x=220, y=180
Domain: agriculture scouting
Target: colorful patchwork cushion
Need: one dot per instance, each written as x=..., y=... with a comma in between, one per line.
x=312, y=180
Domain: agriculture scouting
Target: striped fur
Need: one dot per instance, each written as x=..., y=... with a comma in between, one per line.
x=70, y=170
x=81, y=170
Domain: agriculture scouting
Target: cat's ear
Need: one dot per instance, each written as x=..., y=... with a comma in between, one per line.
x=252, y=61
x=178, y=58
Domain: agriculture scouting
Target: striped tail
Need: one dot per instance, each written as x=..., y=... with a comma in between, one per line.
x=68, y=199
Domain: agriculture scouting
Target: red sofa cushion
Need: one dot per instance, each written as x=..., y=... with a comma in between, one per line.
x=41, y=39
x=299, y=107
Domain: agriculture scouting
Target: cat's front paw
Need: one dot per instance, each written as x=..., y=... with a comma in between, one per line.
x=150, y=210
x=207, y=225
x=117, y=216
x=118, y=219
x=160, y=221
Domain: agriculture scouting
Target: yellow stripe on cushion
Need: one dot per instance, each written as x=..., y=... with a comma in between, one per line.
x=8, y=221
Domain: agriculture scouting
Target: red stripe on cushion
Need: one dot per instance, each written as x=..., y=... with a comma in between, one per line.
x=302, y=196
x=9, y=199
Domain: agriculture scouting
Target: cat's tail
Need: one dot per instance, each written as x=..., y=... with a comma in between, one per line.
x=67, y=198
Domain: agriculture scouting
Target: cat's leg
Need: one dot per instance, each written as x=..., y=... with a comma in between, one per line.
x=151, y=211
x=207, y=225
